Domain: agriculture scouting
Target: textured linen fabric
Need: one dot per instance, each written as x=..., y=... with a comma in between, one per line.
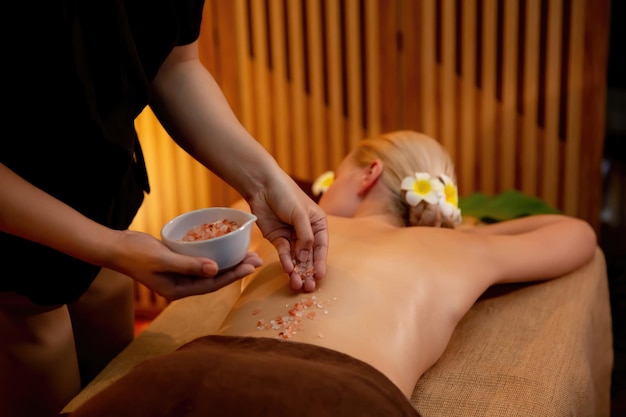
x=540, y=350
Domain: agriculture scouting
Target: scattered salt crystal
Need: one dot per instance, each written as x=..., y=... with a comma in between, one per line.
x=288, y=325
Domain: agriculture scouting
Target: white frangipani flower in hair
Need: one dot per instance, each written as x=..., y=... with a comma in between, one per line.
x=422, y=187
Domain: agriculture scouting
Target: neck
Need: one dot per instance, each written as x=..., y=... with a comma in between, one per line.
x=375, y=211
x=375, y=205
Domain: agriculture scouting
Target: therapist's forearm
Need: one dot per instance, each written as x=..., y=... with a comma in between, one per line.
x=193, y=109
x=28, y=212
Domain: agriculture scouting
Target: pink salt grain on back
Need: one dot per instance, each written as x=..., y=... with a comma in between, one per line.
x=293, y=322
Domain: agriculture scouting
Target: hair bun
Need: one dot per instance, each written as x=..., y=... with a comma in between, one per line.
x=431, y=215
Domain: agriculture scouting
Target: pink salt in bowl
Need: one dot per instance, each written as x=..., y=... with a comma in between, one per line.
x=214, y=238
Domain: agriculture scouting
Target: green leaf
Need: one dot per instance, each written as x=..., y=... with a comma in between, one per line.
x=504, y=206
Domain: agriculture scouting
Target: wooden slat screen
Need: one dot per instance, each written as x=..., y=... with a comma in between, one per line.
x=515, y=90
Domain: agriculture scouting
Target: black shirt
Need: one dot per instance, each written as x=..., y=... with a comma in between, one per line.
x=74, y=87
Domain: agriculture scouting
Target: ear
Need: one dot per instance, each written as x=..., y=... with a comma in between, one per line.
x=370, y=175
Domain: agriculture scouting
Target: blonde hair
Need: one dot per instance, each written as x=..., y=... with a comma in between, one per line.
x=404, y=153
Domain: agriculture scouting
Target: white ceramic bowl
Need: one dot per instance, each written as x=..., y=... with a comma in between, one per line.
x=227, y=250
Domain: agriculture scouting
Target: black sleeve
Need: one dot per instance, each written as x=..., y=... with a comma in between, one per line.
x=189, y=14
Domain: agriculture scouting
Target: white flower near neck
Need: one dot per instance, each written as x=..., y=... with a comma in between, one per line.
x=422, y=187
x=323, y=183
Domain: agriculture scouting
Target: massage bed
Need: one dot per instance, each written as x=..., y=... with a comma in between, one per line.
x=539, y=349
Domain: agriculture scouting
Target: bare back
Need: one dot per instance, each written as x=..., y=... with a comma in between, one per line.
x=391, y=296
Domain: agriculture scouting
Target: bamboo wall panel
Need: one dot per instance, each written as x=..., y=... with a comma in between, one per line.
x=430, y=69
x=508, y=116
x=513, y=88
x=552, y=103
x=466, y=167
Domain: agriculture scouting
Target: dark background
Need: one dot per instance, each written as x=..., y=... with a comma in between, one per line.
x=612, y=237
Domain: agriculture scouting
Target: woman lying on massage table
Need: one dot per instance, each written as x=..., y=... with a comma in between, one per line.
x=384, y=313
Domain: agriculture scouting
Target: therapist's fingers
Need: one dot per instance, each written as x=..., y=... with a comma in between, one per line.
x=302, y=241
x=303, y=276
x=297, y=282
x=311, y=232
x=184, y=285
x=320, y=253
x=296, y=258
